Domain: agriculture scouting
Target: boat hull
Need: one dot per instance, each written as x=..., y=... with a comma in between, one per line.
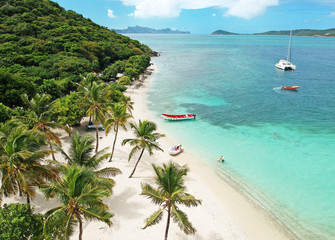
x=290, y=88
x=175, y=150
x=178, y=117
x=285, y=65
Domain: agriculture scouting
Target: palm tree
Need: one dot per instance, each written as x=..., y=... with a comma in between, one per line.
x=119, y=117
x=145, y=140
x=40, y=109
x=128, y=103
x=170, y=191
x=80, y=198
x=95, y=99
x=81, y=153
x=20, y=161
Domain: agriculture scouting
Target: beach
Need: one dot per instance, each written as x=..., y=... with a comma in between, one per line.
x=225, y=212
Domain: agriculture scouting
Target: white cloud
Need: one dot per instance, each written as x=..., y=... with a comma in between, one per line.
x=171, y=8
x=111, y=13
x=131, y=14
x=332, y=14
x=214, y=14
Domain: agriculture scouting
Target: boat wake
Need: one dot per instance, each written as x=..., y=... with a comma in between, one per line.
x=277, y=90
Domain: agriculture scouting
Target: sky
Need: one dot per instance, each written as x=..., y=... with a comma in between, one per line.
x=207, y=16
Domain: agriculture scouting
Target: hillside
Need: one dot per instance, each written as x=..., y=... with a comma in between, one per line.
x=221, y=32
x=139, y=29
x=44, y=47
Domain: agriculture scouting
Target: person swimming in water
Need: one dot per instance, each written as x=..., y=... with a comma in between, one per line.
x=221, y=159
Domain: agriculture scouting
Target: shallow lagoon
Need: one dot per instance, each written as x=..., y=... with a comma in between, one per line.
x=280, y=145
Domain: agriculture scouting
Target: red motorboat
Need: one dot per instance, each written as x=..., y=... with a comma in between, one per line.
x=178, y=117
x=290, y=87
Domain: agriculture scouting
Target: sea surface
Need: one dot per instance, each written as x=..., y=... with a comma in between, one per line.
x=279, y=145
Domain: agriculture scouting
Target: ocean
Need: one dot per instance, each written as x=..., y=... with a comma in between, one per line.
x=279, y=145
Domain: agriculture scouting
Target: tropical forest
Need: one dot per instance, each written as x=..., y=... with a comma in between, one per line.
x=56, y=68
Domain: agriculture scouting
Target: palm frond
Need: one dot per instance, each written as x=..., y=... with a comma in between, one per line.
x=133, y=151
x=108, y=172
x=98, y=212
x=153, y=194
x=181, y=218
x=154, y=218
x=188, y=200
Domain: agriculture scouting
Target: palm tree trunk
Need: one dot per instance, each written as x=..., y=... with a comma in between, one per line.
x=116, y=131
x=137, y=163
x=28, y=199
x=167, y=223
x=97, y=137
x=80, y=227
x=52, y=151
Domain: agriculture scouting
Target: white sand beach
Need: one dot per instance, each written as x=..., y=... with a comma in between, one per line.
x=224, y=214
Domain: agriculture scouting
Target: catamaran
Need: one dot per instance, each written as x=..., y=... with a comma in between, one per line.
x=285, y=64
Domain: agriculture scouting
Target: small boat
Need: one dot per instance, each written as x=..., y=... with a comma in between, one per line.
x=178, y=117
x=290, y=87
x=285, y=64
x=176, y=149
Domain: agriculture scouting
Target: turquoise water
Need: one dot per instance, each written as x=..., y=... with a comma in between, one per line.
x=280, y=145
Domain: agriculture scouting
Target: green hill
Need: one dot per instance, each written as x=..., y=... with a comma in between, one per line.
x=298, y=32
x=43, y=46
x=221, y=32
x=303, y=32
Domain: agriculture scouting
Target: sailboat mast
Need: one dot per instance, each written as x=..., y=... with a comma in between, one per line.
x=289, y=48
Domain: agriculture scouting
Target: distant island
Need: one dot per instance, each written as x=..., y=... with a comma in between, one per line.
x=298, y=32
x=221, y=32
x=139, y=29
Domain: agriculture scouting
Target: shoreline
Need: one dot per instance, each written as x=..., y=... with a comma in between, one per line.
x=245, y=211
x=225, y=213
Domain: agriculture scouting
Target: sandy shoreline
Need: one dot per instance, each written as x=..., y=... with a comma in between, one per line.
x=224, y=214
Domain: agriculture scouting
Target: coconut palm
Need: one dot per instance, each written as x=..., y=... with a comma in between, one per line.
x=145, y=140
x=95, y=100
x=128, y=103
x=81, y=153
x=40, y=111
x=119, y=117
x=20, y=161
x=80, y=198
x=169, y=193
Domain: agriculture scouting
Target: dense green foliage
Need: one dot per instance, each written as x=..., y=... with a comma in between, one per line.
x=18, y=222
x=67, y=111
x=44, y=49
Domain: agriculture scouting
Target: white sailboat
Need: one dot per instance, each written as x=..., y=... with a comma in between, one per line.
x=285, y=64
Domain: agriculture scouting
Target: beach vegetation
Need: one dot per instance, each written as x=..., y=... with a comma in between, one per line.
x=67, y=110
x=95, y=100
x=81, y=152
x=40, y=108
x=18, y=222
x=125, y=80
x=80, y=198
x=145, y=140
x=169, y=193
x=21, y=164
x=45, y=49
x=128, y=103
x=5, y=113
x=118, y=118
